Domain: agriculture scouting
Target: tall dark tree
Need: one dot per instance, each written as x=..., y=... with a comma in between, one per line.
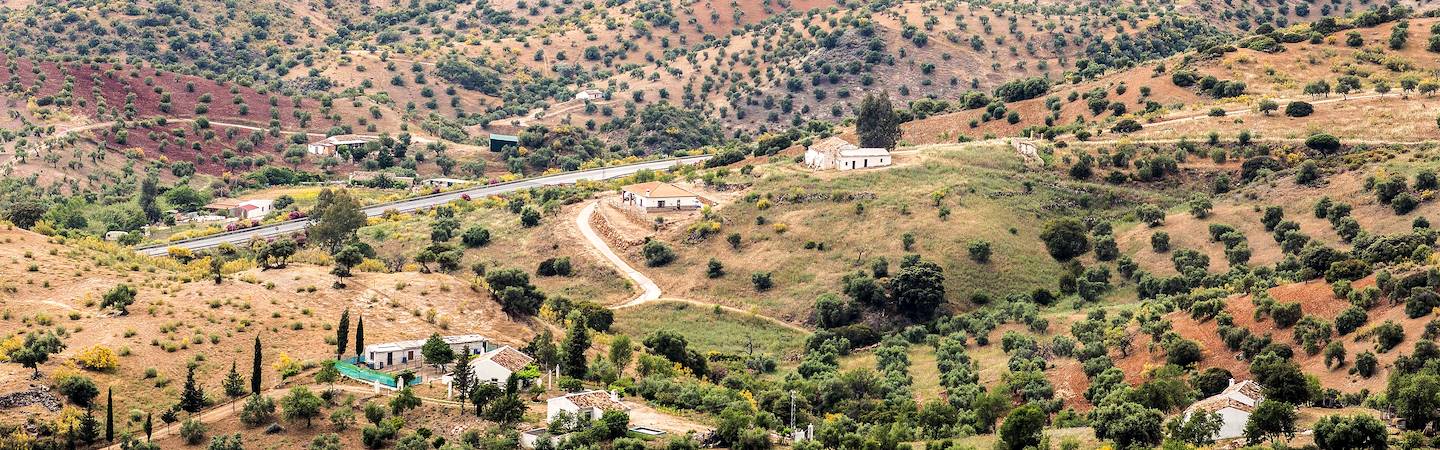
x=360, y=338
x=342, y=334
x=577, y=340
x=876, y=122
x=255, y=369
x=109, y=414
x=149, y=190
x=192, y=398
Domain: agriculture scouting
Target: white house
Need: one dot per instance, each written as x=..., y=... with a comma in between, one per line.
x=862, y=158
x=329, y=145
x=590, y=94
x=656, y=196
x=496, y=366
x=246, y=209
x=834, y=153
x=590, y=404
x=256, y=209
x=404, y=353
x=1234, y=406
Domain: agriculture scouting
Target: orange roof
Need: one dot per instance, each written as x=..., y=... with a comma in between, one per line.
x=509, y=358
x=656, y=189
x=596, y=399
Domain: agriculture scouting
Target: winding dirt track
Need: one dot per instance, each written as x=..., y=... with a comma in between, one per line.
x=650, y=292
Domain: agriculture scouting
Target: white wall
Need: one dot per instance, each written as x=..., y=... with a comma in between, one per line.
x=487, y=371
x=817, y=160
x=863, y=163
x=1234, y=423
x=670, y=202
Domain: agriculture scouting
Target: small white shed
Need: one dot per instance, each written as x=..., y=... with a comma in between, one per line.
x=591, y=404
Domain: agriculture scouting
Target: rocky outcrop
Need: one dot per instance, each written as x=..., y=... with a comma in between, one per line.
x=36, y=395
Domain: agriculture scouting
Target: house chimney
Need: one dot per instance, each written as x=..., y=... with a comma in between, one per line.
x=1232, y=383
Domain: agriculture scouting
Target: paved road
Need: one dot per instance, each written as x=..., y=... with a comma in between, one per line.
x=424, y=202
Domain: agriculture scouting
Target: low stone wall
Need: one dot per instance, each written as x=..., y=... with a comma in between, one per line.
x=602, y=227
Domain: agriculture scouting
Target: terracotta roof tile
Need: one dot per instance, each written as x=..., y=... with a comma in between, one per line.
x=596, y=399
x=509, y=358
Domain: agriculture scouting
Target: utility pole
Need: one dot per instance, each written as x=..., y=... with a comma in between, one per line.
x=792, y=409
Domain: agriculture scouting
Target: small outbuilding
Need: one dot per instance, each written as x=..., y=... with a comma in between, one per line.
x=656, y=196
x=246, y=209
x=498, y=142
x=332, y=144
x=589, y=404
x=590, y=94
x=405, y=353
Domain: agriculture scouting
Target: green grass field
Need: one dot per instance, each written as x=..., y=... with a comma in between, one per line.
x=708, y=330
x=990, y=196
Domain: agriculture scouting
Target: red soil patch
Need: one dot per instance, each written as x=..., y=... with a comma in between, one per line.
x=116, y=82
x=1315, y=297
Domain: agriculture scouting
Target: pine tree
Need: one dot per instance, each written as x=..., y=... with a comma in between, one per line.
x=360, y=339
x=876, y=122
x=255, y=369
x=577, y=340
x=234, y=383
x=89, y=427
x=461, y=378
x=342, y=334
x=109, y=414
x=192, y=399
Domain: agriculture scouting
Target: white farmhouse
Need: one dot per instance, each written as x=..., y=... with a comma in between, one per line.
x=591, y=404
x=834, y=153
x=1234, y=406
x=247, y=209
x=329, y=145
x=404, y=353
x=656, y=196
x=589, y=94
x=255, y=209
x=497, y=365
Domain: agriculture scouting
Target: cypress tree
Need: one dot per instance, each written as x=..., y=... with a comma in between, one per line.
x=255, y=369
x=149, y=425
x=110, y=414
x=360, y=339
x=342, y=334
x=577, y=340
x=192, y=399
